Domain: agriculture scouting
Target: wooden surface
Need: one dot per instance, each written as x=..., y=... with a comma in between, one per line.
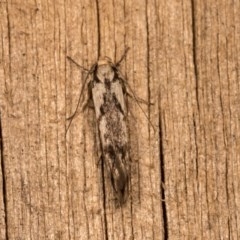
x=184, y=58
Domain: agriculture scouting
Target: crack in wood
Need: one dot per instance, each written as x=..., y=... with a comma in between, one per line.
x=4, y=188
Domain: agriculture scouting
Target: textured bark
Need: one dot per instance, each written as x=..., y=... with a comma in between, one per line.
x=184, y=58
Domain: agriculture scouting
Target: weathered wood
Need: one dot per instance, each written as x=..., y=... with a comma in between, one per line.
x=184, y=57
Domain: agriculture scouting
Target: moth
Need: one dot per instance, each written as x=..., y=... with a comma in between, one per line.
x=106, y=87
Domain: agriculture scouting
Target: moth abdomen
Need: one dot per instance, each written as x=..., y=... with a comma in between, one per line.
x=116, y=159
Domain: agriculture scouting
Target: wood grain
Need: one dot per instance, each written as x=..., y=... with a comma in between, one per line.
x=184, y=58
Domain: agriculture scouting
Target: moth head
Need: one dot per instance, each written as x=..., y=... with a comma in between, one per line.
x=105, y=61
x=105, y=69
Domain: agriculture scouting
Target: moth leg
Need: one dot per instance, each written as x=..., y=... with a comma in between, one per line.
x=129, y=91
x=82, y=109
x=85, y=105
x=138, y=99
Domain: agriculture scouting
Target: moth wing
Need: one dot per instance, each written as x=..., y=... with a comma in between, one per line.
x=98, y=92
x=118, y=88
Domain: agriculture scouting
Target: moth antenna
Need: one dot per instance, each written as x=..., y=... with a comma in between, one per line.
x=85, y=69
x=81, y=92
x=123, y=56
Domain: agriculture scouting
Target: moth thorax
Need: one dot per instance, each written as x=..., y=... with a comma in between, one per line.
x=105, y=71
